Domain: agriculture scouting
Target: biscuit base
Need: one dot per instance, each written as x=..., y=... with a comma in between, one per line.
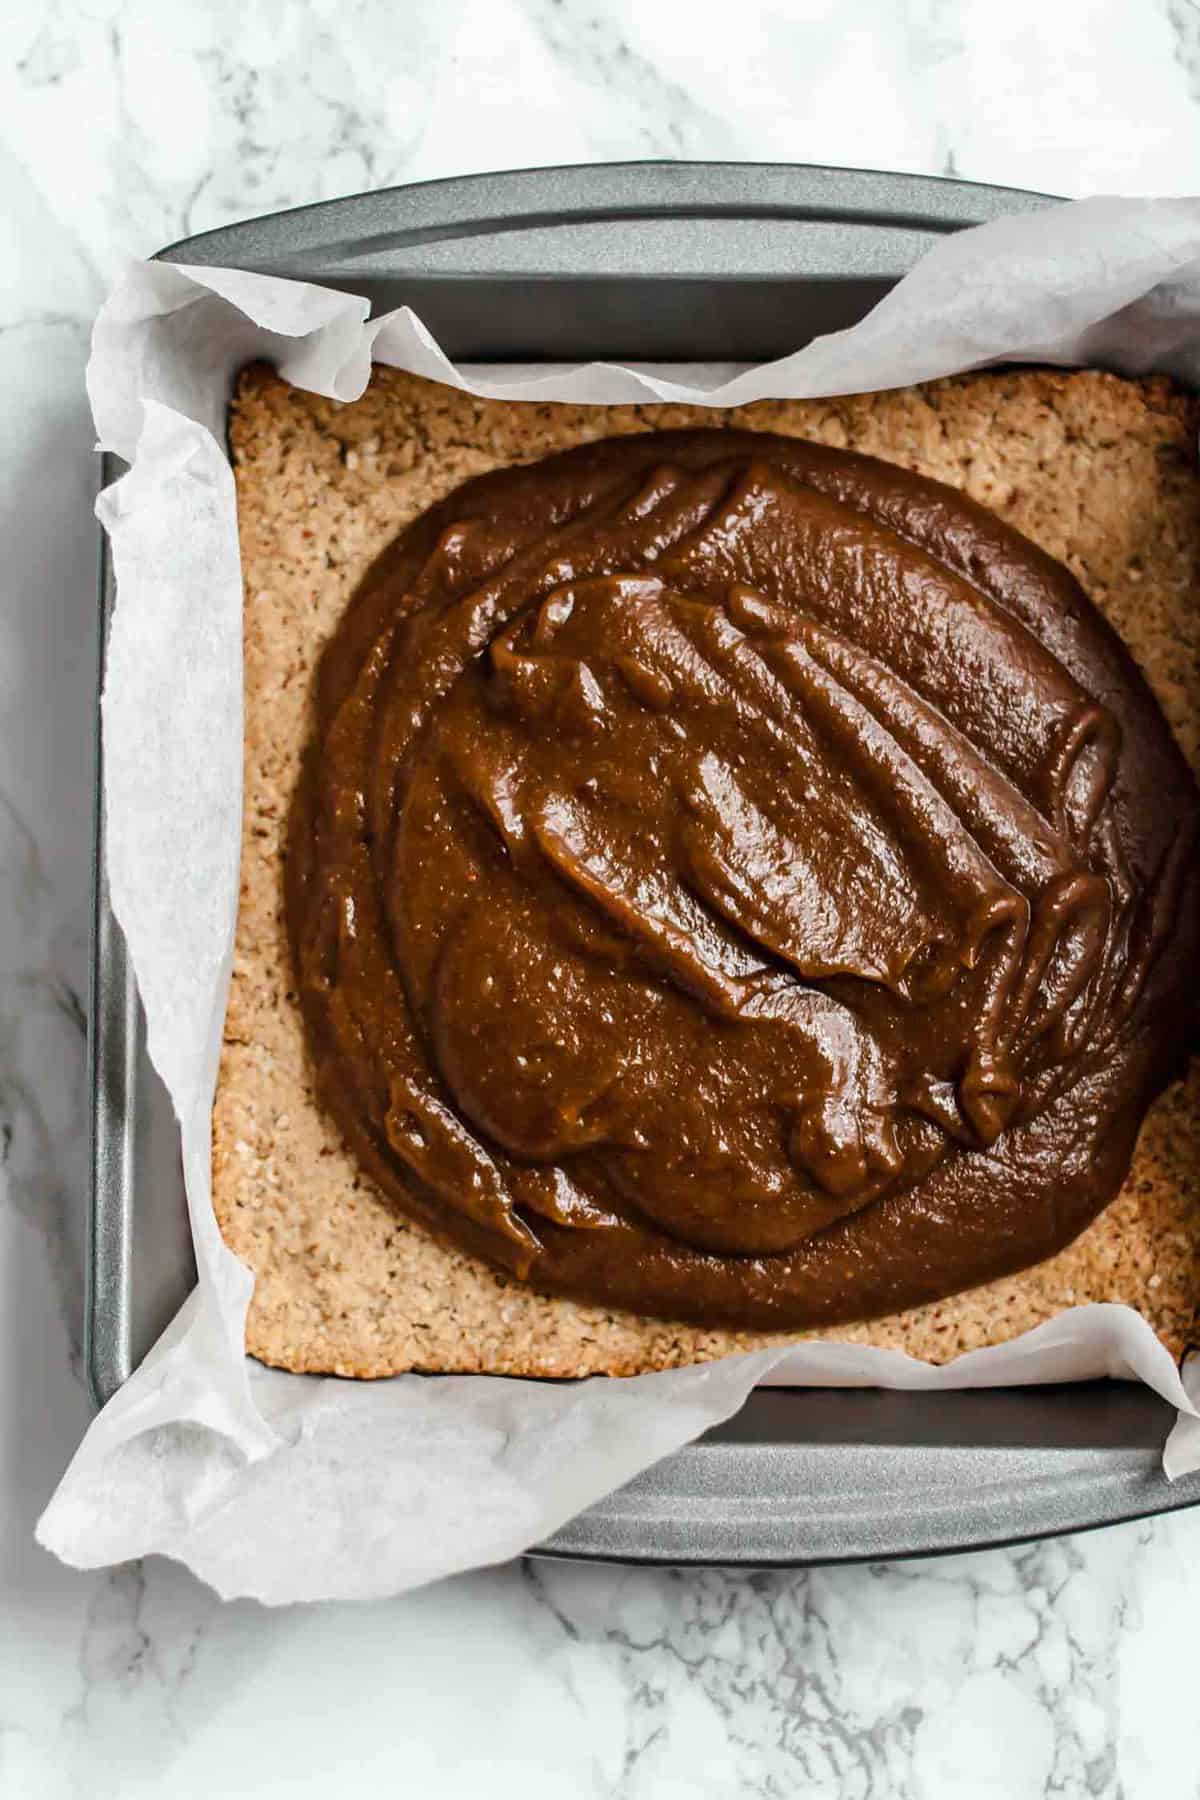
x=1099, y=471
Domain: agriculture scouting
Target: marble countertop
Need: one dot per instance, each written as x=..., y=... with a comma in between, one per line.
x=1061, y=1668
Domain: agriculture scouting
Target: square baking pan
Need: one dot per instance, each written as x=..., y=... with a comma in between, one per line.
x=656, y=262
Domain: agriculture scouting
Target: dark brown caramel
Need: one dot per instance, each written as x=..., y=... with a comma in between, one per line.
x=740, y=881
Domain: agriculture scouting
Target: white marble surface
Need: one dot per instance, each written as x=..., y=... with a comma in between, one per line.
x=1067, y=1668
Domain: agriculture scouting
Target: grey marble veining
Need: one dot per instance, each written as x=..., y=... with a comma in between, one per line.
x=1065, y=1668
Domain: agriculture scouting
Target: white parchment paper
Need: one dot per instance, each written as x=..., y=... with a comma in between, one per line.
x=289, y=1487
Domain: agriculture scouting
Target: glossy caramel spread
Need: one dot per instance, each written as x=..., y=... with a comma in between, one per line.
x=739, y=881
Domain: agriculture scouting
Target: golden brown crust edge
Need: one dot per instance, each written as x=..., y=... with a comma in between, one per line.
x=1101, y=472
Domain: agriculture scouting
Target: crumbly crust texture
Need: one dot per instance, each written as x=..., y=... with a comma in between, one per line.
x=1099, y=471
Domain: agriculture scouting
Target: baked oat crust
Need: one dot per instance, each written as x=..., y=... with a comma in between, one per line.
x=1099, y=471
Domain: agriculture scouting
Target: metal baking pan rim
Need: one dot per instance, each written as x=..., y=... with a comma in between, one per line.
x=939, y=191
